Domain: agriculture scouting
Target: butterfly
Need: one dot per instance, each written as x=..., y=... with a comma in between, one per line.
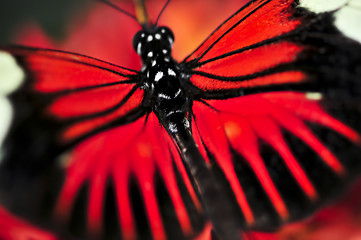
x=257, y=127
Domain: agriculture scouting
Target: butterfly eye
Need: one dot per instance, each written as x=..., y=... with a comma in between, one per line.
x=137, y=41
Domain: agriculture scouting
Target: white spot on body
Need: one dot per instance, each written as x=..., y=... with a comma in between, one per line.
x=150, y=54
x=186, y=123
x=158, y=76
x=154, y=63
x=173, y=128
x=166, y=59
x=150, y=38
x=177, y=93
x=164, y=96
x=163, y=30
x=165, y=51
x=142, y=35
x=158, y=36
x=171, y=72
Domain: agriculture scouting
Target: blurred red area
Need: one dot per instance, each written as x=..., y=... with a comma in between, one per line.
x=107, y=34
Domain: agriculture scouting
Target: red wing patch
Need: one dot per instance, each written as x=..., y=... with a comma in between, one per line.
x=86, y=92
x=136, y=150
x=241, y=123
x=212, y=84
x=256, y=22
x=249, y=69
x=94, y=122
x=247, y=50
x=55, y=71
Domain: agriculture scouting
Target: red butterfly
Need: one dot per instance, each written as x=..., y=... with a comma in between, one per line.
x=255, y=128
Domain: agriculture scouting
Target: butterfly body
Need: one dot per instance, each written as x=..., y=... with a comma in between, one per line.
x=162, y=82
x=166, y=94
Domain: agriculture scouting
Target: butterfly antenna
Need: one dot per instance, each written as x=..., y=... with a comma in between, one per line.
x=141, y=12
x=161, y=11
x=119, y=9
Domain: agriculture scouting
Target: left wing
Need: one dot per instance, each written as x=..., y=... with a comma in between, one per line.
x=55, y=100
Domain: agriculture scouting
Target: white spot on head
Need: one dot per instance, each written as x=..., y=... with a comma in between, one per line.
x=171, y=72
x=158, y=36
x=148, y=74
x=158, y=76
x=139, y=48
x=165, y=51
x=150, y=54
x=163, y=30
x=11, y=75
x=154, y=63
x=150, y=38
x=166, y=59
x=170, y=41
x=314, y=96
x=142, y=35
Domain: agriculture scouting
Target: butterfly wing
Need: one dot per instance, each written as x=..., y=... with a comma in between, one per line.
x=79, y=93
x=277, y=109
x=63, y=99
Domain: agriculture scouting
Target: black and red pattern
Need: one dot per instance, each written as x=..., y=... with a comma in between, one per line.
x=272, y=99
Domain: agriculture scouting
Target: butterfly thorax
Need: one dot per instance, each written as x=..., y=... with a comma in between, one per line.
x=161, y=77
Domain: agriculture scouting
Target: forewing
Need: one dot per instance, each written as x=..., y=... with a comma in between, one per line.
x=79, y=92
x=249, y=50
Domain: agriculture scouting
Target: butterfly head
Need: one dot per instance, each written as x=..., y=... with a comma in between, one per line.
x=154, y=43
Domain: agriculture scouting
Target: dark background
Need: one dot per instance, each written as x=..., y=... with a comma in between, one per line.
x=51, y=15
